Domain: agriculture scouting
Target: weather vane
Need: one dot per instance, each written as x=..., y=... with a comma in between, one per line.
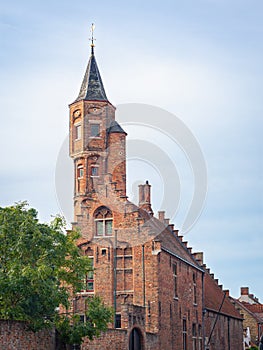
x=92, y=38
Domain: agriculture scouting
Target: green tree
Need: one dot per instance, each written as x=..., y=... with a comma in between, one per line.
x=40, y=268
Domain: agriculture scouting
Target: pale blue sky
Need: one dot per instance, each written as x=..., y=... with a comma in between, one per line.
x=199, y=59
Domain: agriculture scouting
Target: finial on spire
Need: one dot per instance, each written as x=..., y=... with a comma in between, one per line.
x=92, y=38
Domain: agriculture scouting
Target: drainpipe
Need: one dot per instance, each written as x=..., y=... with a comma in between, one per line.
x=203, y=309
x=143, y=276
x=217, y=316
x=228, y=333
x=115, y=277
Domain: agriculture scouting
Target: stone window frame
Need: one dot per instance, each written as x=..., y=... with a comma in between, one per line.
x=103, y=218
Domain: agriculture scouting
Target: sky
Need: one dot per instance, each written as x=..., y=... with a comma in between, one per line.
x=200, y=60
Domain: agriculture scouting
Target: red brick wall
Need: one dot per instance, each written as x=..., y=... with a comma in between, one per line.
x=119, y=340
x=227, y=334
x=172, y=310
x=14, y=336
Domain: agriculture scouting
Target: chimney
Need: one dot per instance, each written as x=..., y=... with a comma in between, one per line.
x=145, y=197
x=244, y=290
x=161, y=215
x=227, y=292
x=199, y=256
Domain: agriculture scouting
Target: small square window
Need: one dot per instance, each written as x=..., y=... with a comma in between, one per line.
x=90, y=286
x=104, y=252
x=94, y=171
x=95, y=130
x=82, y=318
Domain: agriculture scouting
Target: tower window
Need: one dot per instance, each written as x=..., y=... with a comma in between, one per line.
x=103, y=222
x=78, y=131
x=95, y=130
x=94, y=171
x=80, y=171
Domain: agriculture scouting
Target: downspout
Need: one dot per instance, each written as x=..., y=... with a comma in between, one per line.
x=143, y=277
x=203, y=313
x=228, y=332
x=217, y=316
x=115, y=277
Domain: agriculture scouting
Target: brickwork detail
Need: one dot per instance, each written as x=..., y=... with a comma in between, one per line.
x=14, y=335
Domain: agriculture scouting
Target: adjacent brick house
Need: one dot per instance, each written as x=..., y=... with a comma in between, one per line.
x=252, y=311
x=142, y=267
x=223, y=327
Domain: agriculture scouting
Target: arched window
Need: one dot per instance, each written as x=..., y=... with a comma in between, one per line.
x=103, y=222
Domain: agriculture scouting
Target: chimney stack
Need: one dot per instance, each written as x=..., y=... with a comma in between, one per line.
x=244, y=290
x=145, y=197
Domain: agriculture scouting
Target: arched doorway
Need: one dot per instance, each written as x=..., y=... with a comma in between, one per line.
x=135, y=341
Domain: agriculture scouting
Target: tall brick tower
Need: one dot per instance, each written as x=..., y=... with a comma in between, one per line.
x=97, y=146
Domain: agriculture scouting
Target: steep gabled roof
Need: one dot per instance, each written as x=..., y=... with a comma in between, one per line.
x=214, y=298
x=92, y=88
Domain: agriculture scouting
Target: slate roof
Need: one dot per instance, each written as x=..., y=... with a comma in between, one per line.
x=115, y=128
x=92, y=88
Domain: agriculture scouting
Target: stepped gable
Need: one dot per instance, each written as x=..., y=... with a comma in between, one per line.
x=169, y=241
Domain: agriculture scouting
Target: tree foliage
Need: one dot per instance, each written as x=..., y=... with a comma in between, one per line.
x=40, y=267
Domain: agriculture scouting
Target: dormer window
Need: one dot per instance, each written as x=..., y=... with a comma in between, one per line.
x=103, y=222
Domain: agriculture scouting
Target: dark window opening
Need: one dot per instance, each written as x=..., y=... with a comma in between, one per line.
x=118, y=321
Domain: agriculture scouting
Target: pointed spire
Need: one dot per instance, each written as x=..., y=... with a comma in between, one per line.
x=92, y=88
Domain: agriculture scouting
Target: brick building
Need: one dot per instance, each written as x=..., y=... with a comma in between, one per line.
x=142, y=266
x=223, y=327
x=252, y=311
